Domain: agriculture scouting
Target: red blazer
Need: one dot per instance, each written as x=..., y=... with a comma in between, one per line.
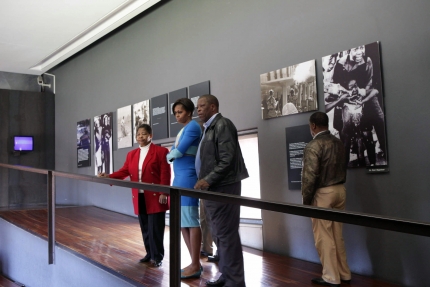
x=155, y=169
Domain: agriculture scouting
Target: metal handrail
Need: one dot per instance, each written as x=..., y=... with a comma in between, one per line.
x=356, y=218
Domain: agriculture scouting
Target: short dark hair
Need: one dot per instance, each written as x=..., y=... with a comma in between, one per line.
x=186, y=103
x=146, y=127
x=320, y=119
x=211, y=99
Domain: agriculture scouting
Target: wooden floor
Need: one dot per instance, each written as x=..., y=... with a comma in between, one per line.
x=113, y=242
x=4, y=282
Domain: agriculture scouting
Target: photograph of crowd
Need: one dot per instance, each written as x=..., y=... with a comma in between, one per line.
x=103, y=143
x=125, y=133
x=83, y=143
x=141, y=115
x=354, y=103
x=289, y=90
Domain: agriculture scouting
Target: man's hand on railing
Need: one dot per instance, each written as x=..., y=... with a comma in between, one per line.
x=201, y=184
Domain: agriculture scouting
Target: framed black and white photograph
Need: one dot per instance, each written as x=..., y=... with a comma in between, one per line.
x=287, y=91
x=353, y=100
x=84, y=143
x=125, y=132
x=103, y=143
x=141, y=115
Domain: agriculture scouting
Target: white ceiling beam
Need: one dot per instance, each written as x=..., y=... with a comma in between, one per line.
x=110, y=22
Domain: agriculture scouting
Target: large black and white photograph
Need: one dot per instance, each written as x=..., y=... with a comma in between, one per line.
x=289, y=91
x=354, y=103
x=84, y=143
x=140, y=115
x=103, y=143
x=124, y=127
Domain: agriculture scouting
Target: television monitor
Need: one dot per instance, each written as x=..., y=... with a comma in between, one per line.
x=23, y=143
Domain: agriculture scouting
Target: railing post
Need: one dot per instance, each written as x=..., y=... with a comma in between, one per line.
x=51, y=217
x=175, y=238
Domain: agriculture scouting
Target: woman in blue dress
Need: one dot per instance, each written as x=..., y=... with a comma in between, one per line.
x=183, y=156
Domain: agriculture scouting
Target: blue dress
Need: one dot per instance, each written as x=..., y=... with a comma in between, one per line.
x=184, y=154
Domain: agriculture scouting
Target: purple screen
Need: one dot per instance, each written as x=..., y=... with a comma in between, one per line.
x=23, y=143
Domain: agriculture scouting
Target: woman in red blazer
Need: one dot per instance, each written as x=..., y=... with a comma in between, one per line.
x=148, y=164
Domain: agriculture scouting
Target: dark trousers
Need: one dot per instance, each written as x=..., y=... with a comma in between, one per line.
x=225, y=227
x=205, y=225
x=152, y=227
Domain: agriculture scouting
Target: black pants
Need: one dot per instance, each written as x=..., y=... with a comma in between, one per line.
x=225, y=220
x=152, y=227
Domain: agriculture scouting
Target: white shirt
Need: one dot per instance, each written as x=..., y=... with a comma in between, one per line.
x=178, y=137
x=143, y=152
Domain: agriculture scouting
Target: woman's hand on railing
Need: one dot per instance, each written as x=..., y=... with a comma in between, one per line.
x=102, y=174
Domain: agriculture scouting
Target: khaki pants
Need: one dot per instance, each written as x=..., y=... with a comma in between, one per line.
x=328, y=235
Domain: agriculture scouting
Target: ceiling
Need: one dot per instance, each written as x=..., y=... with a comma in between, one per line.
x=36, y=36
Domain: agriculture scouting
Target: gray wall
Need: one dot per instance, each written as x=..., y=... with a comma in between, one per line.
x=231, y=43
x=32, y=114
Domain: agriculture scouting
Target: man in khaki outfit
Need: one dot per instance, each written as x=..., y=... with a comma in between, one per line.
x=323, y=175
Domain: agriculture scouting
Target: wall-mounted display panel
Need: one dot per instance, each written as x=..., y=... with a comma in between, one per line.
x=297, y=138
x=175, y=127
x=159, y=119
x=197, y=90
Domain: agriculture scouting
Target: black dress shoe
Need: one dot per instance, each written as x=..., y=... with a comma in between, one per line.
x=147, y=258
x=214, y=258
x=157, y=263
x=219, y=282
x=321, y=281
x=205, y=254
x=346, y=281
